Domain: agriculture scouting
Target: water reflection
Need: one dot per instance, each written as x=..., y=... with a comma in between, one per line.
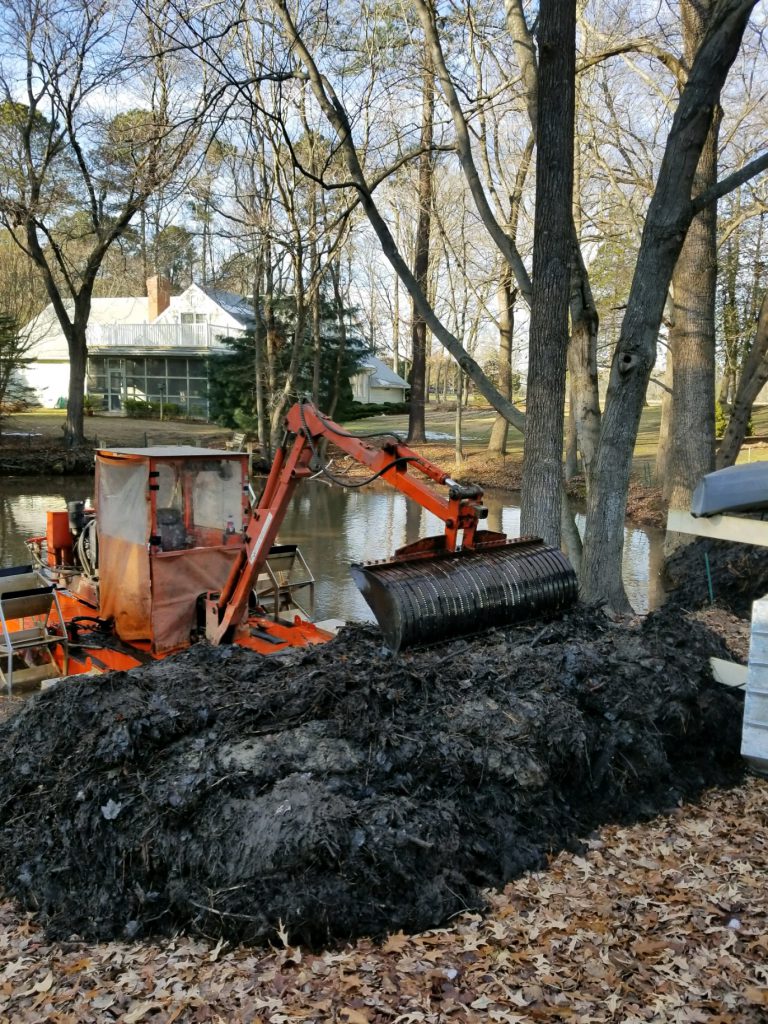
x=333, y=527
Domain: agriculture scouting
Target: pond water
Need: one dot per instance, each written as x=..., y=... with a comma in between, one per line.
x=333, y=527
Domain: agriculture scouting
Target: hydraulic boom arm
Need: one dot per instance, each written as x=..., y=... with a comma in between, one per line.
x=393, y=462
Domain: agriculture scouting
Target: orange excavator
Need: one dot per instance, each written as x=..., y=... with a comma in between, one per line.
x=175, y=550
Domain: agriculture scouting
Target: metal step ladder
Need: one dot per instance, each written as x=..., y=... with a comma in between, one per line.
x=285, y=575
x=31, y=624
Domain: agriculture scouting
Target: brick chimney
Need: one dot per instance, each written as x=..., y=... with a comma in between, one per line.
x=159, y=296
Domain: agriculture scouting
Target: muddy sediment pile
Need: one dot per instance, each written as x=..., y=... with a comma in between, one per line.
x=738, y=574
x=340, y=791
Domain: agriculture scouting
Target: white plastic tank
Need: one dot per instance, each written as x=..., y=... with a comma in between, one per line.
x=754, y=734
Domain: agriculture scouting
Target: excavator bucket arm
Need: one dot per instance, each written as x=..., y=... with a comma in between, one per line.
x=459, y=582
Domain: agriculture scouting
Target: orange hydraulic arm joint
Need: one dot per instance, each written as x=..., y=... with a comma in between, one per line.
x=392, y=462
x=225, y=610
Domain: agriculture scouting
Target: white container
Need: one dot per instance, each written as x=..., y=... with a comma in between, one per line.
x=754, y=733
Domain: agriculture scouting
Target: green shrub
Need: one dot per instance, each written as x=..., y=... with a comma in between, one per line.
x=722, y=415
x=359, y=410
x=246, y=421
x=138, y=409
x=721, y=419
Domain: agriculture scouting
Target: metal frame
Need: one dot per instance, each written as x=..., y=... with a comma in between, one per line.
x=754, y=676
x=733, y=528
x=25, y=594
x=280, y=585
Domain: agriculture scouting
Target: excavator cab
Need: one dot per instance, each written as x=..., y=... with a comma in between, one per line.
x=170, y=526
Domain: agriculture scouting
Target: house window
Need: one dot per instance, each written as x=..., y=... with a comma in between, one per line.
x=183, y=381
x=194, y=318
x=155, y=367
x=177, y=388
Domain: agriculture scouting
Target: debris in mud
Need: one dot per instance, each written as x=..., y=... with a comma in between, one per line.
x=739, y=574
x=341, y=791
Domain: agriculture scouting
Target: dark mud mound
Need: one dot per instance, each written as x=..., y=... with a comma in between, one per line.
x=342, y=791
x=739, y=574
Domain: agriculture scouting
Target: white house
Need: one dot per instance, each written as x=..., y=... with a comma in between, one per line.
x=376, y=383
x=151, y=348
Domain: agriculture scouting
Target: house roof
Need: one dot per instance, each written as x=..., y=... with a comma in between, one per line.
x=238, y=307
x=114, y=310
x=382, y=376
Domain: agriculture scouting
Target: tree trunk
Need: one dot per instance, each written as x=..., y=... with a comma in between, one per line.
x=543, y=451
x=339, y=302
x=458, y=447
x=662, y=451
x=692, y=337
x=288, y=389
x=506, y=299
x=416, y=425
x=258, y=365
x=396, y=328
x=270, y=325
x=78, y=359
x=144, y=255
x=753, y=377
x=571, y=442
x=582, y=361
x=731, y=326
x=314, y=273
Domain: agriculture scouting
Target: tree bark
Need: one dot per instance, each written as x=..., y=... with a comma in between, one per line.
x=506, y=300
x=338, y=299
x=541, y=488
x=663, y=449
x=418, y=382
x=692, y=336
x=258, y=363
x=458, y=446
x=582, y=361
x=582, y=354
x=731, y=325
x=571, y=442
x=753, y=378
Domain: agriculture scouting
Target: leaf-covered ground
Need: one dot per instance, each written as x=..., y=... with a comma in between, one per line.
x=664, y=921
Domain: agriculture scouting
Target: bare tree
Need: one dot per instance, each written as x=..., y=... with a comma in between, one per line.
x=669, y=215
x=56, y=167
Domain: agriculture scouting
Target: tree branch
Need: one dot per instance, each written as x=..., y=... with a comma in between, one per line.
x=733, y=181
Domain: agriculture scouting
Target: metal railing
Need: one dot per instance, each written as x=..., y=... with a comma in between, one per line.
x=159, y=336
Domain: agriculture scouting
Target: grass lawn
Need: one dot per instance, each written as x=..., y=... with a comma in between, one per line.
x=116, y=431
x=477, y=425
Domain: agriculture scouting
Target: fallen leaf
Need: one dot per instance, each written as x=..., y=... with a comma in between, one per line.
x=354, y=1016
x=141, y=1010
x=395, y=943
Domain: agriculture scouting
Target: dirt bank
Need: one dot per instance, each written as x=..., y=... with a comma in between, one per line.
x=31, y=444
x=342, y=791
x=738, y=574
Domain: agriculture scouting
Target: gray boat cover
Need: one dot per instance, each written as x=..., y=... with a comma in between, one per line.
x=734, y=489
